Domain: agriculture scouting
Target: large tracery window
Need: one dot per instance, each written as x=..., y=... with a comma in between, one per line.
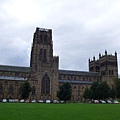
x=11, y=90
x=1, y=89
x=45, y=86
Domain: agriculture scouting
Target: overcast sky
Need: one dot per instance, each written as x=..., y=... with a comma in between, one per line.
x=81, y=29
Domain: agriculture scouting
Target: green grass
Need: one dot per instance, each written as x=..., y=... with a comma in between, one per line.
x=36, y=111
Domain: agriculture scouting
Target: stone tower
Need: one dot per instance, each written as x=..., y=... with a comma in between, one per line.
x=44, y=79
x=106, y=65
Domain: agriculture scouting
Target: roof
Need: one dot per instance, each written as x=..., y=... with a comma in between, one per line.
x=12, y=78
x=15, y=68
x=75, y=82
x=82, y=73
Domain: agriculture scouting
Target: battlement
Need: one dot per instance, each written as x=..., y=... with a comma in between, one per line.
x=43, y=29
x=55, y=58
x=103, y=56
x=105, y=65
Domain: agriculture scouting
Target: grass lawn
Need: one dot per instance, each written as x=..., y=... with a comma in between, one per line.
x=76, y=111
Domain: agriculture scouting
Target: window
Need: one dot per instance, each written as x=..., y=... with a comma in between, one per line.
x=68, y=78
x=16, y=74
x=20, y=90
x=11, y=89
x=45, y=86
x=45, y=38
x=33, y=90
x=44, y=60
x=59, y=77
x=110, y=72
x=40, y=52
x=41, y=39
x=1, y=89
x=74, y=77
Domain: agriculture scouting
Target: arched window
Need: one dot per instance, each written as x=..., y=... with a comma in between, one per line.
x=44, y=59
x=20, y=90
x=1, y=89
x=33, y=90
x=40, y=52
x=45, y=86
x=45, y=38
x=41, y=38
x=11, y=90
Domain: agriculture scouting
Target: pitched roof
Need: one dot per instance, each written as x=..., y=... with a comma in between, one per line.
x=82, y=73
x=75, y=82
x=15, y=68
x=12, y=78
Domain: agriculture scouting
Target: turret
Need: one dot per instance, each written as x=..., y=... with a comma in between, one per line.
x=99, y=55
x=115, y=54
x=105, y=52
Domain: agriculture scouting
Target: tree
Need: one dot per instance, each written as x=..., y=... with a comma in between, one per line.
x=88, y=93
x=99, y=90
x=65, y=92
x=103, y=90
x=117, y=87
x=113, y=92
x=25, y=90
x=94, y=87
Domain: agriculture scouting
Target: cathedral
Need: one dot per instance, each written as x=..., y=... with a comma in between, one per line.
x=44, y=74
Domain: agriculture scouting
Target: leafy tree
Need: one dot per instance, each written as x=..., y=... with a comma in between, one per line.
x=117, y=87
x=25, y=90
x=99, y=91
x=94, y=88
x=113, y=92
x=103, y=90
x=65, y=92
x=88, y=93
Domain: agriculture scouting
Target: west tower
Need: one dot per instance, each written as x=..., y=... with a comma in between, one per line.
x=106, y=65
x=44, y=66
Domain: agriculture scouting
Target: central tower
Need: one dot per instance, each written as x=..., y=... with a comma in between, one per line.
x=44, y=65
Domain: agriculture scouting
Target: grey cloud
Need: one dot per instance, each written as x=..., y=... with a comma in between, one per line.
x=81, y=30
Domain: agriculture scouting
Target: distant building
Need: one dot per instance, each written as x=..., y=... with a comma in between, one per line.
x=44, y=74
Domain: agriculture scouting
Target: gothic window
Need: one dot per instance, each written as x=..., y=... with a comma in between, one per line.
x=10, y=89
x=44, y=60
x=20, y=90
x=41, y=37
x=74, y=77
x=40, y=52
x=16, y=74
x=35, y=58
x=45, y=38
x=33, y=90
x=78, y=90
x=1, y=89
x=45, y=88
x=90, y=79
